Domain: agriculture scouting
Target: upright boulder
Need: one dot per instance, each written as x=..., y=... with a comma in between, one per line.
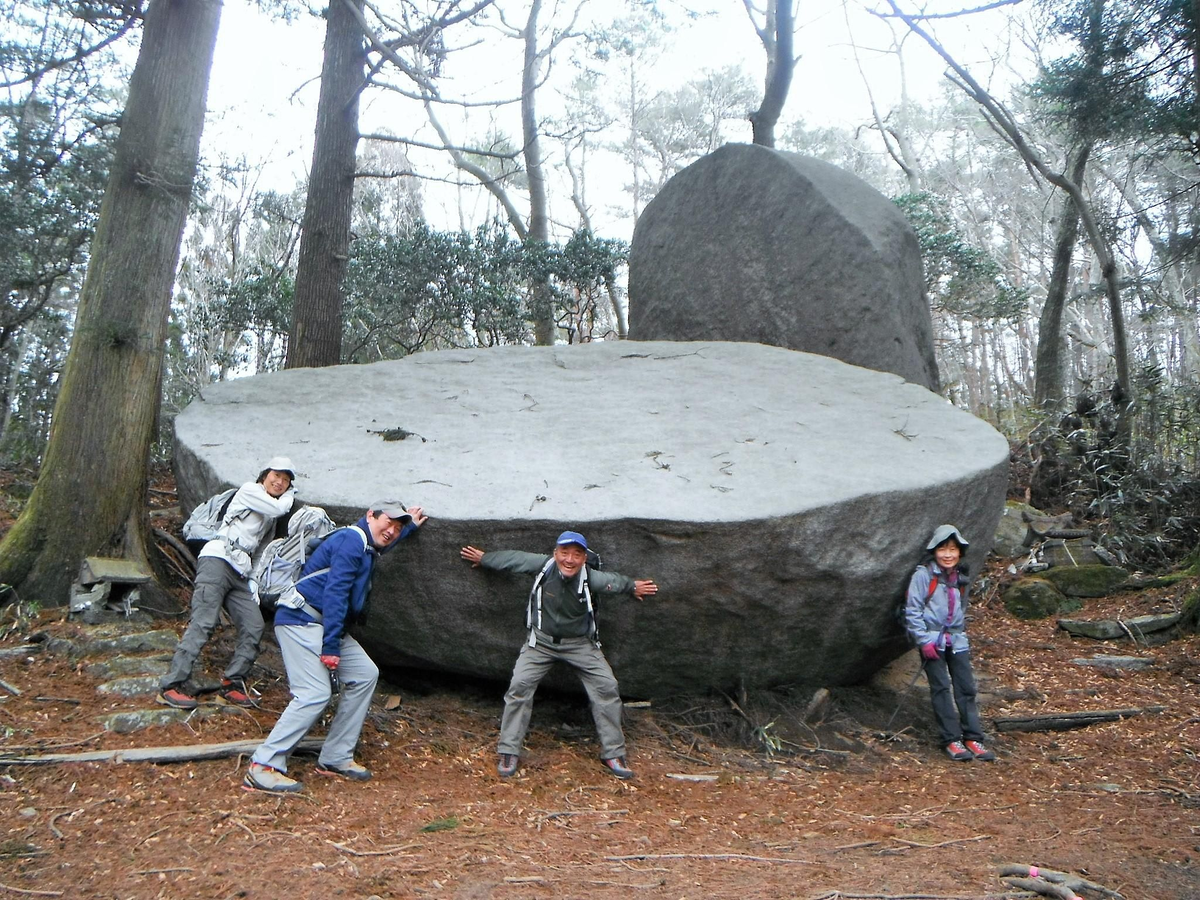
x=779, y=499
x=754, y=244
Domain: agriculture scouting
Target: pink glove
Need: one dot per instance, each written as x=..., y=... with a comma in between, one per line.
x=929, y=651
x=331, y=662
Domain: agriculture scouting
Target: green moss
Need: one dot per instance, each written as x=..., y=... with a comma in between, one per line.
x=1191, y=612
x=1086, y=581
x=1037, y=598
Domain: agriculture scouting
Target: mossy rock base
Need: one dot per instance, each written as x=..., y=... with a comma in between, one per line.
x=1037, y=598
x=1087, y=581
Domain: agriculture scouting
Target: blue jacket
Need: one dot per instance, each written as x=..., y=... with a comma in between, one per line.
x=341, y=593
x=927, y=616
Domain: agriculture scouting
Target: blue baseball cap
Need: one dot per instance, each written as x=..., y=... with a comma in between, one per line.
x=572, y=537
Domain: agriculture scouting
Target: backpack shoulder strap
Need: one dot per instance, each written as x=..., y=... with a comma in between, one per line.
x=362, y=534
x=533, y=612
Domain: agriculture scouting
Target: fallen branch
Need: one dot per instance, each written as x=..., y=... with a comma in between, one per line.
x=1069, y=720
x=8, y=687
x=842, y=895
x=1043, y=887
x=1064, y=878
x=769, y=859
x=186, y=565
x=152, y=754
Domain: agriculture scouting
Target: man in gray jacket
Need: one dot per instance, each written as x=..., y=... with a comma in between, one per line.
x=562, y=628
x=223, y=579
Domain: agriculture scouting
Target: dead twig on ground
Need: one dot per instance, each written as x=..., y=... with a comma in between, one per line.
x=383, y=851
x=920, y=846
x=626, y=884
x=28, y=893
x=54, y=818
x=562, y=813
x=162, y=871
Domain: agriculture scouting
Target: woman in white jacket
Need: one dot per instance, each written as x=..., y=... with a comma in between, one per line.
x=223, y=579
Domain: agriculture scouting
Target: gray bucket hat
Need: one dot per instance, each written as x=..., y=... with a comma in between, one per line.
x=944, y=533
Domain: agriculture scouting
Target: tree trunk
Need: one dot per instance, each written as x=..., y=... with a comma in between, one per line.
x=90, y=492
x=1048, y=392
x=541, y=301
x=316, y=335
x=777, y=40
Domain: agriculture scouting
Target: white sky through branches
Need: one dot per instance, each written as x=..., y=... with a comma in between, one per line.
x=264, y=88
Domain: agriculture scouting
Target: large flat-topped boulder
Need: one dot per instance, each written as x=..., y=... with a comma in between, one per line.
x=754, y=244
x=780, y=499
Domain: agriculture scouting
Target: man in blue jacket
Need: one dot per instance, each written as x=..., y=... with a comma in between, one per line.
x=331, y=595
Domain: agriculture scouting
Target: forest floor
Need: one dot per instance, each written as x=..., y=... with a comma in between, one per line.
x=853, y=805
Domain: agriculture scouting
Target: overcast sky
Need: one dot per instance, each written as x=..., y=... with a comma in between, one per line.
x=264, y=85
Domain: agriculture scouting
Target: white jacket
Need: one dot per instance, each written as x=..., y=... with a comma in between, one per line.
x=249, y=522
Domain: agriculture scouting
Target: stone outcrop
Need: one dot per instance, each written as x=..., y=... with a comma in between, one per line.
x=780, y=499
x=754, y=244
x=1037, y=598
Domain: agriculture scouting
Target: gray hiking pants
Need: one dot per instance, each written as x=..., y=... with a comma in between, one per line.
x=957, y=718
x=311, y=692
x=218, y=584
x=582, y=655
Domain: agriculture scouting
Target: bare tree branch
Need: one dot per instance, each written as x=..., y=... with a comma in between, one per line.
x=474, y=151
x=921, y=17
x=1012, y=131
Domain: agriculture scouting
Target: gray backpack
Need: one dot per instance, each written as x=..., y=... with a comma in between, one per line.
x=206, y=519
x=278, y=567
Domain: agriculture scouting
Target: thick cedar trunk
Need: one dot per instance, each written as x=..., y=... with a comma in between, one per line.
x=1049, y=366
x=90, y=492
x=316, y=335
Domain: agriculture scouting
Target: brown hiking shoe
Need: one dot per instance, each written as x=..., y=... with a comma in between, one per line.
x=235, y=692
x=351, y=770
x=272, y=781
x=176, y=698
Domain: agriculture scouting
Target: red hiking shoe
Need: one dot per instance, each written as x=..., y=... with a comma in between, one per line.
x=235, y=692
x=176, y=698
